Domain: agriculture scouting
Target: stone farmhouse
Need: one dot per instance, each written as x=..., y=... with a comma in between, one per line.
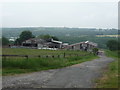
x=54, y=45
x=85, y=46
x=42, y=44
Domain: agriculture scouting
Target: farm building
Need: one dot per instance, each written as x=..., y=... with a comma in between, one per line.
x=42, y=44
x=64, y=45
x=85, y=46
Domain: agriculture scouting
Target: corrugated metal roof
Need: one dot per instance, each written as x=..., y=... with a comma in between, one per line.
x=38, y=40
x=56, y=41
x=86, y=42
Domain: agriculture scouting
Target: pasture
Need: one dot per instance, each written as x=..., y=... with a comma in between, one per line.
x=17, y=65
x=22, y=51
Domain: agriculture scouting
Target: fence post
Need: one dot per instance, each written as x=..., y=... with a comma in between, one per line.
x=58, y=56
x=52, y=56
x=4, y=57
x=64, y=55
x=46, y=56
x=39, y=56
x=26, y=56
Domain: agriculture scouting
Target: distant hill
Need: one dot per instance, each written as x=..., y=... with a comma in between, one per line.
x=58, y=31
x=65, y=34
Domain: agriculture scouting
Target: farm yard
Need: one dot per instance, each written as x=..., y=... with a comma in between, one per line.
x=59, y=45
x=80, y=75
x=38, y=60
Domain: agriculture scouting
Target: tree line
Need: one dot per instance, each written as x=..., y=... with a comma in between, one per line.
x=25, y=35
x=113, y=45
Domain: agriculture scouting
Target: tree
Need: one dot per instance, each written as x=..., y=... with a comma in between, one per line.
x=112, y=45
x=95, y=50
x=25, y=35
x=55, y=38
x=47, y=37
x=5, y=41
x=118, y=45
x=17, y=41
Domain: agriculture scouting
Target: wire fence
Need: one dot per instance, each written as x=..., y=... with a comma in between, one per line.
x=64, y=55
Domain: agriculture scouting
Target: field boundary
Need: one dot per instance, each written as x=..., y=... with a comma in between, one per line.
x=44, y=56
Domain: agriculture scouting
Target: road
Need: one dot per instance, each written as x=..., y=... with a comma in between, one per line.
x=77, y=76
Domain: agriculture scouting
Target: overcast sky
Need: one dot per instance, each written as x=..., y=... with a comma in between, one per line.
x=68, y=14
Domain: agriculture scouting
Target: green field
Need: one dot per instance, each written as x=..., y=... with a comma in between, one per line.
x=110, y=77
x=17, y=65
x=21, y=51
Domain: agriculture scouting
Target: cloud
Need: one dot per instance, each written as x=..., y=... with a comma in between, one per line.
x=82, y=14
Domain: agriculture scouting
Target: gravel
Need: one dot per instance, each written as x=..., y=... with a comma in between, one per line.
x=77, y=76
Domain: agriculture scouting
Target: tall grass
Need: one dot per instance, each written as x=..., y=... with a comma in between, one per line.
x=110, y=77
x=22, y=65
x=32, y=63
x=23, y=51
x=114, y=54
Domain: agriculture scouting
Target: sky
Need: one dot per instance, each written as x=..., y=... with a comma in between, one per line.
x=59, y=14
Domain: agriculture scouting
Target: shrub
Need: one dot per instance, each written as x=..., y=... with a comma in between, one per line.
x=95, y=50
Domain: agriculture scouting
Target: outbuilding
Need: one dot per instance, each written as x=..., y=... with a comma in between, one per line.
x=42, y=44
x=84, y=46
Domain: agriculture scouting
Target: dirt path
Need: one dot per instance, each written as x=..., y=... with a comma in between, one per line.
x=76, y=76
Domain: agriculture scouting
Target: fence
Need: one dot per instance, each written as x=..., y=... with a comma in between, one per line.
x=64, y=55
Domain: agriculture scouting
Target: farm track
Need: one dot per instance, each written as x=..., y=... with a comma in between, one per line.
x=76, y=76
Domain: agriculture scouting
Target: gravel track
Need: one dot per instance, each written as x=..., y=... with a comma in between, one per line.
x=76, y=76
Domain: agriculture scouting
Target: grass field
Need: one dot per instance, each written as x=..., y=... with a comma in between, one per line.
x=110, y=77
x=19, y=51
x=108, y=36
x=16, y=65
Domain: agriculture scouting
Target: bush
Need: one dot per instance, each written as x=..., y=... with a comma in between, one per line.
x=113, y=45
x=5, y=41
x=95, y=50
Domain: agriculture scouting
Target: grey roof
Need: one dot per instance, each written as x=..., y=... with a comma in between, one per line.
x=91, y=43
x=56, y=41
x=34, y=40
x=41, y=41
x=87, y=42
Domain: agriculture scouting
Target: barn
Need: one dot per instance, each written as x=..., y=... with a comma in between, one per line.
x=84, y=46
x=42, y=44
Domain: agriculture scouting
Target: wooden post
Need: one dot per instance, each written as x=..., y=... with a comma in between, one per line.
x=39, y=56
x=4, y=57
x=52, y=56
x=58, y=56
x=26, y=56
x=64, y=55
x=46, y=56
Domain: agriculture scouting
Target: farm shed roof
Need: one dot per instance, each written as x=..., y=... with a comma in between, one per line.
x=56, y=41
x=38, y=40
x=86, y=42
x=34, y=40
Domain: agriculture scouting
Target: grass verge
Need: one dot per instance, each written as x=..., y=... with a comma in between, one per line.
x=11, y=66
x=110, y=77
x=16, y=66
